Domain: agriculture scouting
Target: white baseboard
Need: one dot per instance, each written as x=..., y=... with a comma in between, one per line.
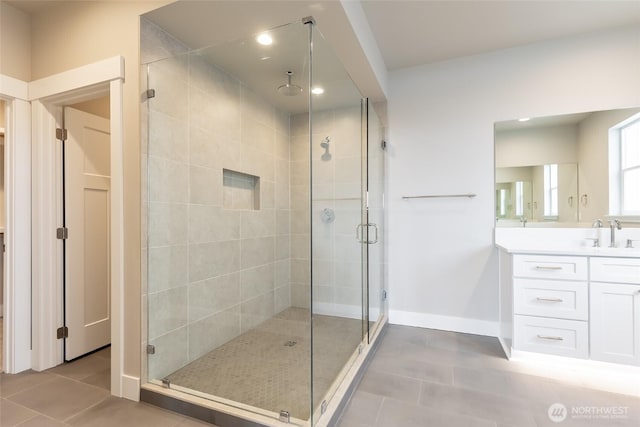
x=445, y=323
x=506, y=347
x=131, y=388
x=343, y=310
x=338, y=310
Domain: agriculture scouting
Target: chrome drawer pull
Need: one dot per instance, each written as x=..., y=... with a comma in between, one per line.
x=547, y=267
x=548, y=337
x=550, y=299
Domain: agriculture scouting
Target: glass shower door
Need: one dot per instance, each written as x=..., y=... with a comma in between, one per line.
x=228, y=247
x=375, y=219
x=337, y=218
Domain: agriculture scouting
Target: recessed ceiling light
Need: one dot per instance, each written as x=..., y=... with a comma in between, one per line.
x=524, y=119
x=317, y=91
x=264, y=39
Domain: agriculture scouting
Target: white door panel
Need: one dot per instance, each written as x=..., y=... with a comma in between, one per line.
x=87, y=263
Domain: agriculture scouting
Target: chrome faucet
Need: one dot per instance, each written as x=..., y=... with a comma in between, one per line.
x=523, y=220
x=613, y=224
x=597, y=223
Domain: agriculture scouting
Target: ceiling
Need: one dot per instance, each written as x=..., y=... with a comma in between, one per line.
x=410, y=33
x=215, y=23
x=31, y=6
x=263, y=69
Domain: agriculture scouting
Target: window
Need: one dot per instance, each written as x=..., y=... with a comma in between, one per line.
x=624, y=167
x=630, y=168
x=519, y=198
x=551, y=190
x=502, y=211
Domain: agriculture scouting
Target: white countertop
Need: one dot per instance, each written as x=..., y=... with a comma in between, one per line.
x=571, y=251
x=567, y=241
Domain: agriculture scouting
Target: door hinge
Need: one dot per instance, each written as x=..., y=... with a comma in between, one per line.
x=62, y=332
x=151, y=349
x=61, y=134
x=62, y=233
x=166, y=383
x=384, y=295
x=150, y=93
x=383, y=144
x=284, y=416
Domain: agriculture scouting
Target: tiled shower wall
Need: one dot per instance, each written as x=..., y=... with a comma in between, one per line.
x=337, y=275
x=215, y=269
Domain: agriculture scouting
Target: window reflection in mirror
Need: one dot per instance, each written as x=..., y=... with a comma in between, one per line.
x=624, y=167
x=586, y=182
x=540, y=193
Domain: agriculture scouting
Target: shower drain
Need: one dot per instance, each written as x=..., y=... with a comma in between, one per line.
x=290, y=343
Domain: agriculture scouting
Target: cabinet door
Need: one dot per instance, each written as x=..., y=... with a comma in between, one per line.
x=615, y=323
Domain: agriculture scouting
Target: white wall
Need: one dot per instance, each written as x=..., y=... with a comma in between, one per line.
x=89, y=32
x=443, y=267
x=15, y=43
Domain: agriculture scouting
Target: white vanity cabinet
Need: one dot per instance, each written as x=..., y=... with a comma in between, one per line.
x=615, y=310
x=584, y=307
x=551, y=305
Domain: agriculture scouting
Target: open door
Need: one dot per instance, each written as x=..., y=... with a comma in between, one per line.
x=87, y=195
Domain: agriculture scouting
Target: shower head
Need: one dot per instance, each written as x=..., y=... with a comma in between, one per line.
x=289, y=89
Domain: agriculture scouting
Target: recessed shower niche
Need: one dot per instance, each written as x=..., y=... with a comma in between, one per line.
x=255, y=305
x=240, y=190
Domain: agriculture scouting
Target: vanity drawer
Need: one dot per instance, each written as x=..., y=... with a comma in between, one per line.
x=550, y=267
x=552, y=336
x=550, y=298
x=616, y=270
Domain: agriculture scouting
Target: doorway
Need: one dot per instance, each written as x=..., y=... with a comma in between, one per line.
x=48, y=97
x=86, y=194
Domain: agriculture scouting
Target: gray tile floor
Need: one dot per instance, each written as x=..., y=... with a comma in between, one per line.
x=76, y=394
x=418, y=377
x=424, y=377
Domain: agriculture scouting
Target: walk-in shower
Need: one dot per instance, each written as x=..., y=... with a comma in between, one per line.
x=264, y=258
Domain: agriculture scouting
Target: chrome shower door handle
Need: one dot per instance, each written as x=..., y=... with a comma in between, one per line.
x=360, y=237
x=375, y=227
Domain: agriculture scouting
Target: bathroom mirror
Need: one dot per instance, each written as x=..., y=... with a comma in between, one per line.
x=539, y=193
x=554, y=171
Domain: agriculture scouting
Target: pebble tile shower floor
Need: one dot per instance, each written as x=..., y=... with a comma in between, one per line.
x=269, y=367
